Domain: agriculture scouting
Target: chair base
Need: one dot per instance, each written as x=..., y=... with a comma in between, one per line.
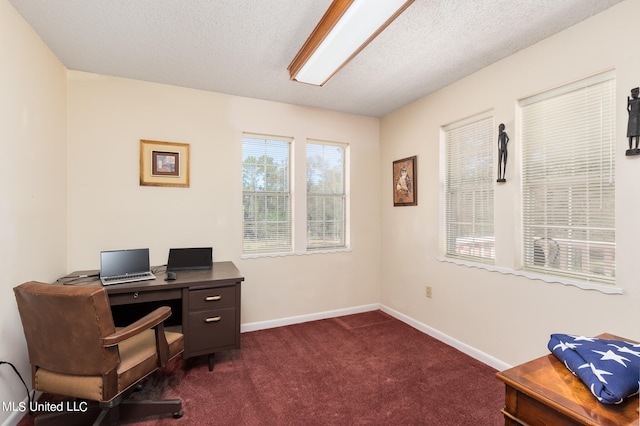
x=126, y=411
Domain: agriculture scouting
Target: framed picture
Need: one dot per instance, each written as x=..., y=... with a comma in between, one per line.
x=405, y=182
x=164, y=163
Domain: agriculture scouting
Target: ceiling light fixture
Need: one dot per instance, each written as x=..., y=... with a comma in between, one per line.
x=344, y=30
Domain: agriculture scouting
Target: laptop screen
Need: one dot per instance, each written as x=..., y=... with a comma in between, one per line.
x=190, y=258
x=121, y=262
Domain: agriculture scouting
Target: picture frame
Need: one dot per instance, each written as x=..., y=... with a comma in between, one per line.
x=164, y=163
x=405, y=182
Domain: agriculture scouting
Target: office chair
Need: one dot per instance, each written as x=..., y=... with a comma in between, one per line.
x=546, y=252
x=76, y=351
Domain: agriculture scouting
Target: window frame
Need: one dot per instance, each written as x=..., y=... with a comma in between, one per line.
x=297, y=201
x=340, y=195
x=474, y=187
x=536, y=261
x=272, y=245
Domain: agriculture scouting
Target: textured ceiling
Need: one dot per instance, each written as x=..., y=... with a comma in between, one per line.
x=243, y=47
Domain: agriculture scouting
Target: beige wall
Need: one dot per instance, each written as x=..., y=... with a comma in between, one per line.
x=108, y=116
x=505, y=316
x=71, y=159
x=32, y=181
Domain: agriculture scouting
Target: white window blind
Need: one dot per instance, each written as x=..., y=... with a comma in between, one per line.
x=469, y=177
x=326, y=200
x=568, y=181
x=266, y=194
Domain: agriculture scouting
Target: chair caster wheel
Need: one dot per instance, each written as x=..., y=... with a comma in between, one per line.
x=178, y=414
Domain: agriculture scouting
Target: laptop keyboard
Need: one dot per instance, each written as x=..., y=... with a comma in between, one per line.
x=124, y=277
x=127, y=278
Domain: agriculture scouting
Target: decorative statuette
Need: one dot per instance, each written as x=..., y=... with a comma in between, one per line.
x=633, y=128
x=503, y=140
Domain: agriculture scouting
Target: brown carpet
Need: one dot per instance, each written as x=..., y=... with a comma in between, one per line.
x=362, y=369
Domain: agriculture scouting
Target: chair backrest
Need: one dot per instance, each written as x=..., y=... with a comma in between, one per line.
x=546, y=252
x=64, y=327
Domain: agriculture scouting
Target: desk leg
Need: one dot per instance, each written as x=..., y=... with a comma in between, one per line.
x=211, y=360
x=510, y=406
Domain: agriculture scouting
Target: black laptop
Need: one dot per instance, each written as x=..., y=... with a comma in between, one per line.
x=182, y=259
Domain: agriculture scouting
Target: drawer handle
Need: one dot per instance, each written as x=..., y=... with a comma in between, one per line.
x=135, y=295
x=212, y=319
x=212, y=298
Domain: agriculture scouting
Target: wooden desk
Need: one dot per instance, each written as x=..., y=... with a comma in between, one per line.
x=544, y=392
x=205, y=305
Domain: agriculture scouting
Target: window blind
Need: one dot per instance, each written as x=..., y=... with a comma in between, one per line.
x=326, y=200
x=568, y=181
x=266, y=199
x=469, y=177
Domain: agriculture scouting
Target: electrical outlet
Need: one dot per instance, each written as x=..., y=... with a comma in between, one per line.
x=429, y=292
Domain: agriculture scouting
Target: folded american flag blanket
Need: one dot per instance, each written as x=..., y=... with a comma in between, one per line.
x=609, y=368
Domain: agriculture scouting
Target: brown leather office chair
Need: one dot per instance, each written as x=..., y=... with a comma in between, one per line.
x=76, y=351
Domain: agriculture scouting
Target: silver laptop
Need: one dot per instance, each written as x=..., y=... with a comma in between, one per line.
x=125, y=266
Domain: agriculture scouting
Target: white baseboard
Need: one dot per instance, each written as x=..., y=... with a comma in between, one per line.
x=15, y=417
x=462, y=347
x=281, y=322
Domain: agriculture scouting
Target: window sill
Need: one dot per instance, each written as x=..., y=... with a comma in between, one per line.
x=301, y=253
x=603, y=288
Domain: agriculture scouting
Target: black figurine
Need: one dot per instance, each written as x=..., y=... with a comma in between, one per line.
x=503, y=140
x=633, y=128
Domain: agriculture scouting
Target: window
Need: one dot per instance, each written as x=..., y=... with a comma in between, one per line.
x=568, y=181
x=266, y=197
x=326, y=201
x=468, y=185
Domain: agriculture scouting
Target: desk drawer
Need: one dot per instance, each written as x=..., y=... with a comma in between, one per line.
x=526, y=410
x=214, y=298
x=212, y=329
x=144, y=296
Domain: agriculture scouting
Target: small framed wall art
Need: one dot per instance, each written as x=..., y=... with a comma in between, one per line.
x=405, y=182
x=164, y=164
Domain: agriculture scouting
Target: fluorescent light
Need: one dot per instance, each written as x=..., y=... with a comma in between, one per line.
x=344, y=30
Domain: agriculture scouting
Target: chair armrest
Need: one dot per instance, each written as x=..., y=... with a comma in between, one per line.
x=150, y=320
